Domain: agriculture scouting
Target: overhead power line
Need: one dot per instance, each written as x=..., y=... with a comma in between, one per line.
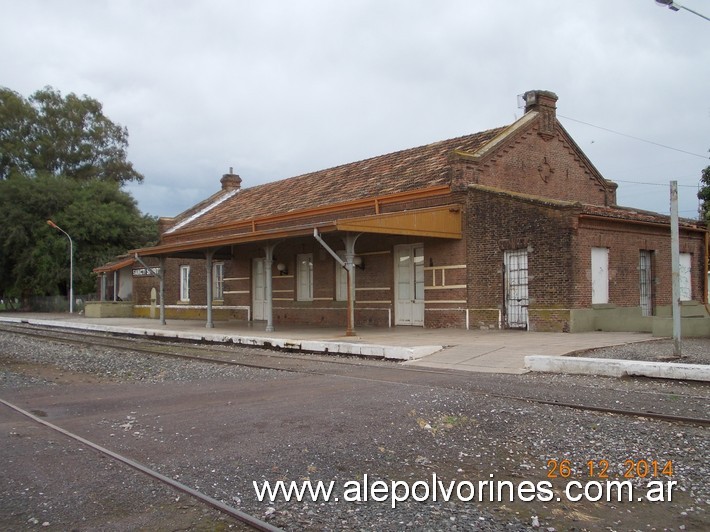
x=649, y=183
x=635, y=138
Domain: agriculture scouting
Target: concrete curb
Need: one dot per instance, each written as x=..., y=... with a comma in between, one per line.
x=618, y=368
x=309, y=346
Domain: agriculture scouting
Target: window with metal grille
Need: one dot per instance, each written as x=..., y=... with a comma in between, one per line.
x=646, y=282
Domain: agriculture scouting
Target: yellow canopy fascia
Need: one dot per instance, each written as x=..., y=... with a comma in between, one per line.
x=438, y=222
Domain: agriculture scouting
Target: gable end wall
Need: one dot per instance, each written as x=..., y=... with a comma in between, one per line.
x=544, y=166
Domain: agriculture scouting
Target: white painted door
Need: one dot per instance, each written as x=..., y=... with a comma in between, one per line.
x=600, y=276
x=258, y=290
x=409, y=284
x=516, y=288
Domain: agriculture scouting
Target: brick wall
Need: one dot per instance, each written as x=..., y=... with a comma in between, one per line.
x=498, y=222
x=559, y=240
x=624, y=241
x=445, y=283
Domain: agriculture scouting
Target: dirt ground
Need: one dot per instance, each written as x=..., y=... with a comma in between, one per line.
x=219, y=435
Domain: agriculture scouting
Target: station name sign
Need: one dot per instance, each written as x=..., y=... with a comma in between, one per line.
x=145, y=272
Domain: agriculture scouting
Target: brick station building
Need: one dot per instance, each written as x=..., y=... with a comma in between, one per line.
x=508, y=228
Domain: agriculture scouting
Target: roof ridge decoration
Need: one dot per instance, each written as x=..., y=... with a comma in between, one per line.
x=203, y=211
x=502, y=136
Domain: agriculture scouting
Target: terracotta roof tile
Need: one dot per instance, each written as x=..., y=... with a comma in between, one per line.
x=411, y=169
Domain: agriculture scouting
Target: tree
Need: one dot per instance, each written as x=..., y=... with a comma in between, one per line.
x=62, y=136
x=61, y=159
x=704, y=194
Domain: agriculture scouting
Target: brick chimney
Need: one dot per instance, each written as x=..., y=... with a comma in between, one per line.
x=231, y=181
x=545, y=103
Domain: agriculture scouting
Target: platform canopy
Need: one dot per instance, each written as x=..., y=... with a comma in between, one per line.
x=443, y=221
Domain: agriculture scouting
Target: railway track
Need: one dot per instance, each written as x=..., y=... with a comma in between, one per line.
x=260, y=358
x=250, y=520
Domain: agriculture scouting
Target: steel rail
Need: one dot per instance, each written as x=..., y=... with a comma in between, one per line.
x=90, y=338
x=250, y=520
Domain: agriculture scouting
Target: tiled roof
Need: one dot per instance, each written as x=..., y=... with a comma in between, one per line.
x=615, y=212
x=639, y=215
x=402, y=171
x=116, y=264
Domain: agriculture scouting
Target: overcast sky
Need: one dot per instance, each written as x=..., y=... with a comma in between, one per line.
x=279, y=88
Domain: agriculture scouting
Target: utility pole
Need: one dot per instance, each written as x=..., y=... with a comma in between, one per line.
x=675, y=269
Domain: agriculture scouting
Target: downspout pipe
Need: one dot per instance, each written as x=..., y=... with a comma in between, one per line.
x=162, y=289
x=209, y=255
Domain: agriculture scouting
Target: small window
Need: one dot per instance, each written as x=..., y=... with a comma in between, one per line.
x=304, y=273
x=341, y=279
x=646, y=281
x=218, y=281
x=184, y=283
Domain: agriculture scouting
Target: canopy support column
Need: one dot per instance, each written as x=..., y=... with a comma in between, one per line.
x=209, y=255
x=162, y=289
x=349, y=264
x=268, y=283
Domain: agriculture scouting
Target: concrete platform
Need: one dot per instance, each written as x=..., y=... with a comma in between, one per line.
x=456, y=349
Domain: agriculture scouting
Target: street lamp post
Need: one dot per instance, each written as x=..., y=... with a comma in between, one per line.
x=71, y=265
x=675, y=6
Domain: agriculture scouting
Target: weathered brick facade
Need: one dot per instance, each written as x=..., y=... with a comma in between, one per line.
x=499, y=222
x=522, y=193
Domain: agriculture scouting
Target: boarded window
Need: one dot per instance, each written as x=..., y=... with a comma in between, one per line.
x=686, y=292
x=600, y=276
x=341, y=280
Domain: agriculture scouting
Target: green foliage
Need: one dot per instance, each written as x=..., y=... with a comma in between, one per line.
x=61, y=159
x=62, y=136
x=102, y=220
x=704, y=194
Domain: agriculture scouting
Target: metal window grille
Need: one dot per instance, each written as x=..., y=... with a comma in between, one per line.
x=646, y=282
x=516, y=288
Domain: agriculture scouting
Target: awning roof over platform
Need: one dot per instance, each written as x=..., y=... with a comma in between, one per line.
x=436, y=222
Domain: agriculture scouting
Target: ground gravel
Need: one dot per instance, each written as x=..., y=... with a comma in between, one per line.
x=219, y=428
x=110, y=364
x=693, y=351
